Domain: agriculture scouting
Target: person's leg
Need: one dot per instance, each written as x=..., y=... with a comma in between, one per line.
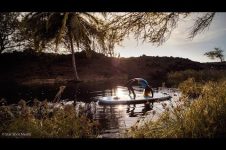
x=129, y=90
x=128, y=85
x=133, y=92
x=152, y=93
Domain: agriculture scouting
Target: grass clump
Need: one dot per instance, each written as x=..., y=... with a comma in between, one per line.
x=44, y=121
x=199, y=116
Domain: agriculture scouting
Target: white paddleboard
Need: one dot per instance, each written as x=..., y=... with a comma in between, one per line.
x=126, y=99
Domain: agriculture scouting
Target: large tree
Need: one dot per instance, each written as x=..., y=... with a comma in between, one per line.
x=8, y=27
x=81, y=30
x=216, y=53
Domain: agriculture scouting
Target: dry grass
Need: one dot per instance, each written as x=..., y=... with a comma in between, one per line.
x=203, y=116
x=44, y=121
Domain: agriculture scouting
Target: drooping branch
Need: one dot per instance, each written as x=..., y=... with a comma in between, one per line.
x=201, y=24
x=155, y=27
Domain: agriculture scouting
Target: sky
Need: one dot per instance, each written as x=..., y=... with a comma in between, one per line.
x=179, y=45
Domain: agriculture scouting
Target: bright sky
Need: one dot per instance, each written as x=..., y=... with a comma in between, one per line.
x=179, y=45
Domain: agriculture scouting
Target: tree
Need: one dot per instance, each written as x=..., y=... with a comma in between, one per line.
x=216, y=53
x=82, y=30
x=8, y=27
x=155, y=27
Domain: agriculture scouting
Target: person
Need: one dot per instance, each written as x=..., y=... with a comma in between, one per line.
x=141, y=82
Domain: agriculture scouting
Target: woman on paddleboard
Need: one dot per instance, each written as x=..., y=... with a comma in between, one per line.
x=141, y=82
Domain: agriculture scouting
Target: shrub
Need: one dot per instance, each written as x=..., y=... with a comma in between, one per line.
x=175, y=78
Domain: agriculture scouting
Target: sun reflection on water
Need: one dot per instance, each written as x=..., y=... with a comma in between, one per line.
x=120, y=107
x=119, y=92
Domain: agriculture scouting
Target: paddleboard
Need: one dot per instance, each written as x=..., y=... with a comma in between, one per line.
x=126, y=99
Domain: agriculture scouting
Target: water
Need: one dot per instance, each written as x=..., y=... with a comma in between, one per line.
x=114, y=120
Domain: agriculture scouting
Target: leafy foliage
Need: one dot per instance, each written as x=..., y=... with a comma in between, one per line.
x=90, y=31
x=86, y=28
x=9, y=24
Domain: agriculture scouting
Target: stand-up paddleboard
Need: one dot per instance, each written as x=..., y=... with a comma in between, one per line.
x=126, y=99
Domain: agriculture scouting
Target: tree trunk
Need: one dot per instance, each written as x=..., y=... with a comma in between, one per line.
x=73, y=59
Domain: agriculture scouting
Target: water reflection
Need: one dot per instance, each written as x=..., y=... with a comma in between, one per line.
x=118, y=117
x=119, y=91
x=130, y=111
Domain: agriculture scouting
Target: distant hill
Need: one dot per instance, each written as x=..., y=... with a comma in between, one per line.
x=28, y=67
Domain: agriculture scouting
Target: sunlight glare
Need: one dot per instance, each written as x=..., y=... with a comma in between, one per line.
x=119, y=92
x=120, y=107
